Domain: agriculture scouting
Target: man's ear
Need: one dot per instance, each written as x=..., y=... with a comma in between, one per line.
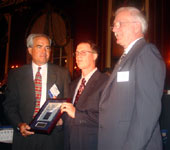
x=95, y=56
x=30, y=50
x=138, y=28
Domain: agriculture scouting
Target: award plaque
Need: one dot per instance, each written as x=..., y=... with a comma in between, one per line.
x=48, y=115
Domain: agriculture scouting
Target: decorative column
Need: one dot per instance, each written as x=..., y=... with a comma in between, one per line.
x=108, y=36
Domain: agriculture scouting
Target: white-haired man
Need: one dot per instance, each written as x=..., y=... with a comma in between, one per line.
x=130, y=106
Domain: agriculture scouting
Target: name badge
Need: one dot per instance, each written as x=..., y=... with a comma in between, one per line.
x=123, y=76
x=53, y=91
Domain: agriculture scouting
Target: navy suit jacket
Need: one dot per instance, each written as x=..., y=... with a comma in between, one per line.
x=129, y=111
x=81, y=132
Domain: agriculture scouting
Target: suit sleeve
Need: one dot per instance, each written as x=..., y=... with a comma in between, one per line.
x=11, y=102
x=88, y=114
x=150, y=74
x=86, y=117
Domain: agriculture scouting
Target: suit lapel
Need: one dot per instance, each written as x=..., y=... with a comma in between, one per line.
x=133, y=52
x=72, y=87
x=51, y=78
x=29, y=87
x=118, y=67
x=89, y=86
x=29, y=82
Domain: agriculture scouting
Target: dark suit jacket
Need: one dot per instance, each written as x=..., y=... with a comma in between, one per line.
x=129, y=111
x=81, y=132
x=20, y=102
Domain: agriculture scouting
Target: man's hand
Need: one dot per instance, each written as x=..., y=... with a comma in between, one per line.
x=60, y=122
x=24, y=129
x=69, y=109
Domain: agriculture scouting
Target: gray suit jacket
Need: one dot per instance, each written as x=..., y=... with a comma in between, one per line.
x=129, y=111
x=20, y=101
x=81, y=132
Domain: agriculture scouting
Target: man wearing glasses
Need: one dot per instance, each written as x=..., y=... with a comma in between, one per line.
x=81, y=122
x=130, y=104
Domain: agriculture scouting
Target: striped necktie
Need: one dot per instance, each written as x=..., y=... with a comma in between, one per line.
x=122, y=57
x=80, y=90
x=38, y=88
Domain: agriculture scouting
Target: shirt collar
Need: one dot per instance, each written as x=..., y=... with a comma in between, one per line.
x=35, y=67
x=87, y=77
x=131, y=45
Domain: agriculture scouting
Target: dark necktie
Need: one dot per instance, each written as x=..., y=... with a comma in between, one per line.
x=80, y=90
x=38, y=88
x=122, y=57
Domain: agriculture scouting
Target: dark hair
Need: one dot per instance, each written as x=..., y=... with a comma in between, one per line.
x=93, y=46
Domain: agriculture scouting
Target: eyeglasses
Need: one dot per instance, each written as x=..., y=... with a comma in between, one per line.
x=119, y=24
x=82, y=53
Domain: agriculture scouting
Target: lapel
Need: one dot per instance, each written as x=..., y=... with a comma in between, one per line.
x=29, y=82
x=73, y=86
x=137, y=47
x=51, y=78
x=88, y=88
x=133, y=52
x=28, y=87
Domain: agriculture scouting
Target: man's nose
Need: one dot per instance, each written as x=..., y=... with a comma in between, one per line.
x=43, y=49
x=114, y=29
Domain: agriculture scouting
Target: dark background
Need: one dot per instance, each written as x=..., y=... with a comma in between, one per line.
x=87, y=19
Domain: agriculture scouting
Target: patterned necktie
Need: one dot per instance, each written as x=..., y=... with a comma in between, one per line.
x=80, y=90
x=122, y=57
x=38, y=88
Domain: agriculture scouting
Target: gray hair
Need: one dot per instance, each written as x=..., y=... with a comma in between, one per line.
x=31, y=37
x=137, y=15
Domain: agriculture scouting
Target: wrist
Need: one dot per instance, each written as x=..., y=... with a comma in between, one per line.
x=19, y=125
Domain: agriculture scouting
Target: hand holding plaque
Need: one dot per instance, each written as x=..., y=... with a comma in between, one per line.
x=47, y=117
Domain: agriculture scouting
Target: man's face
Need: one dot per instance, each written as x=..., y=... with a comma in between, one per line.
x=40, y=51
x=85, y=57
x=124, y=28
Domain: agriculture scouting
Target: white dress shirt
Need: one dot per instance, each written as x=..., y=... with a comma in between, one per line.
x=131, y=45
